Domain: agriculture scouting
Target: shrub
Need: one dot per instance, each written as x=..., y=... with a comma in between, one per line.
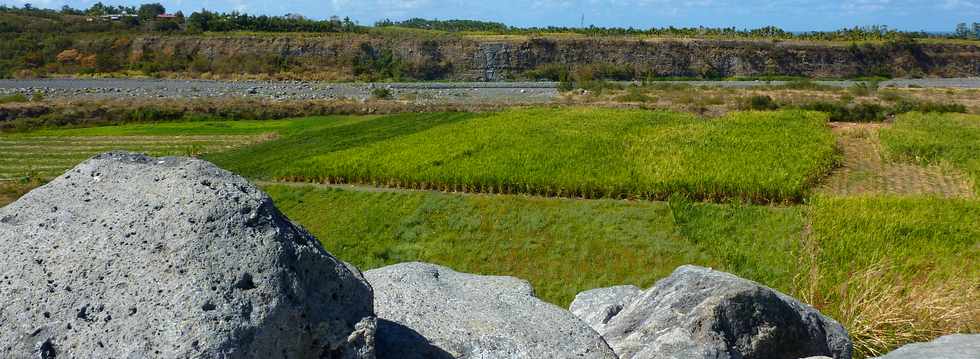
x=17, y=97
x=890, y=96
x=372, y=64
x=862, y=112
x=381, y=93
x=804, y=84
x=589, y=77
x=867, y=112
x=634, y=94
x=905, y=106
x=551, y=72
x=865, y=88
x=760, y=103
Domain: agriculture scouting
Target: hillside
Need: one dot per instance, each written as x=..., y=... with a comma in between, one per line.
x=492, y=58
x=99, y=41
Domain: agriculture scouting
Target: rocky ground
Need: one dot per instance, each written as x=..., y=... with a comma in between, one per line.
x=454, y=92
x=480, y=92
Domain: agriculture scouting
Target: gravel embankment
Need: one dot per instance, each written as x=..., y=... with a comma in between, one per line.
x=439, y=92
x=284, y=90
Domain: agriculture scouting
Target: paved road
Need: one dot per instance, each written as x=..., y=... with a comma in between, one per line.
x=438, y=92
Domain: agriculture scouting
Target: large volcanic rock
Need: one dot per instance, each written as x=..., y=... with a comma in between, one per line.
x=956, y=346
x=701, y=313
x=598, y=306
x=430, y=311
x=128, y=256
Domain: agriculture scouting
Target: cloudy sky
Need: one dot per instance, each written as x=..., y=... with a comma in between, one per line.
x=795, y=15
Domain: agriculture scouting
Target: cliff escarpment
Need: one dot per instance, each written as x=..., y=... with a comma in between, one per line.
x=344, y=57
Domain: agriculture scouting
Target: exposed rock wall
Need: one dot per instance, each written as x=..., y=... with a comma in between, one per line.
x=486, y=60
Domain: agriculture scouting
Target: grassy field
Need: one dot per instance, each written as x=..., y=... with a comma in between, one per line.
x=562, y=246
x=46, y=154
x=866, y=171
x=575, y=152
x=937, y=140
x=314, y=136
x=892, y=269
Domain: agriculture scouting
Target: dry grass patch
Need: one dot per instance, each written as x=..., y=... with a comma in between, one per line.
x=864, y=170
x=12, y=190
x=715, y=101
x=893, y=270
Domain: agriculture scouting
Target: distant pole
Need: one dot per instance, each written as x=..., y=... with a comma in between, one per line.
x=582, y=23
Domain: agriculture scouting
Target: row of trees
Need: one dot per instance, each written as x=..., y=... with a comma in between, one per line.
x=965, y=31
x=214, y=21
x=146, y=16
x=446, y=25
x=205, y=20
x=876, y=32
x=144, y=11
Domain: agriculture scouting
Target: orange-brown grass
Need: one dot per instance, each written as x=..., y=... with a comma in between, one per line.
x=883, y=311
x=12, y=190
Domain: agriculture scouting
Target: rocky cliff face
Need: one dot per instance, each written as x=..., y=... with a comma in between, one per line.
x=457, y=58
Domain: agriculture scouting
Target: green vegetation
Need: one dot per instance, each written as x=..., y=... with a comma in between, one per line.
x=936, y=139
x=17, y=97
x=561, y=246
x=592, y=153
x=883, y=266
x=132, y=17
x=446, y=25
x=45, y=154
x=891, y=269
x=762, y=157
x=309, y=137
x=712, y=100
x=849, y=112
x=61, y=114
x=865, y=88
x=381, y=93
x=760, y=103
x=894, y=270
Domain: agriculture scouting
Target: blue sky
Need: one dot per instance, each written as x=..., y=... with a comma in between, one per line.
x=794, y=15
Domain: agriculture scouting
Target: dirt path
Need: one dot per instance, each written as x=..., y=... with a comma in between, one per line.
x=865, y=172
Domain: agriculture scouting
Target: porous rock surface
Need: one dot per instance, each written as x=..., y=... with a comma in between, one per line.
x=128, y=256
x=430, y=311
x=597, y=306
x=956, y=346
x=701, y=313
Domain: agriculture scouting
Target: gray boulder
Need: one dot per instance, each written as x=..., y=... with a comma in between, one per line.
x=128, y=256
x=956, y=346
x=701, y=313
x=430, y=311
x=596, y=307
